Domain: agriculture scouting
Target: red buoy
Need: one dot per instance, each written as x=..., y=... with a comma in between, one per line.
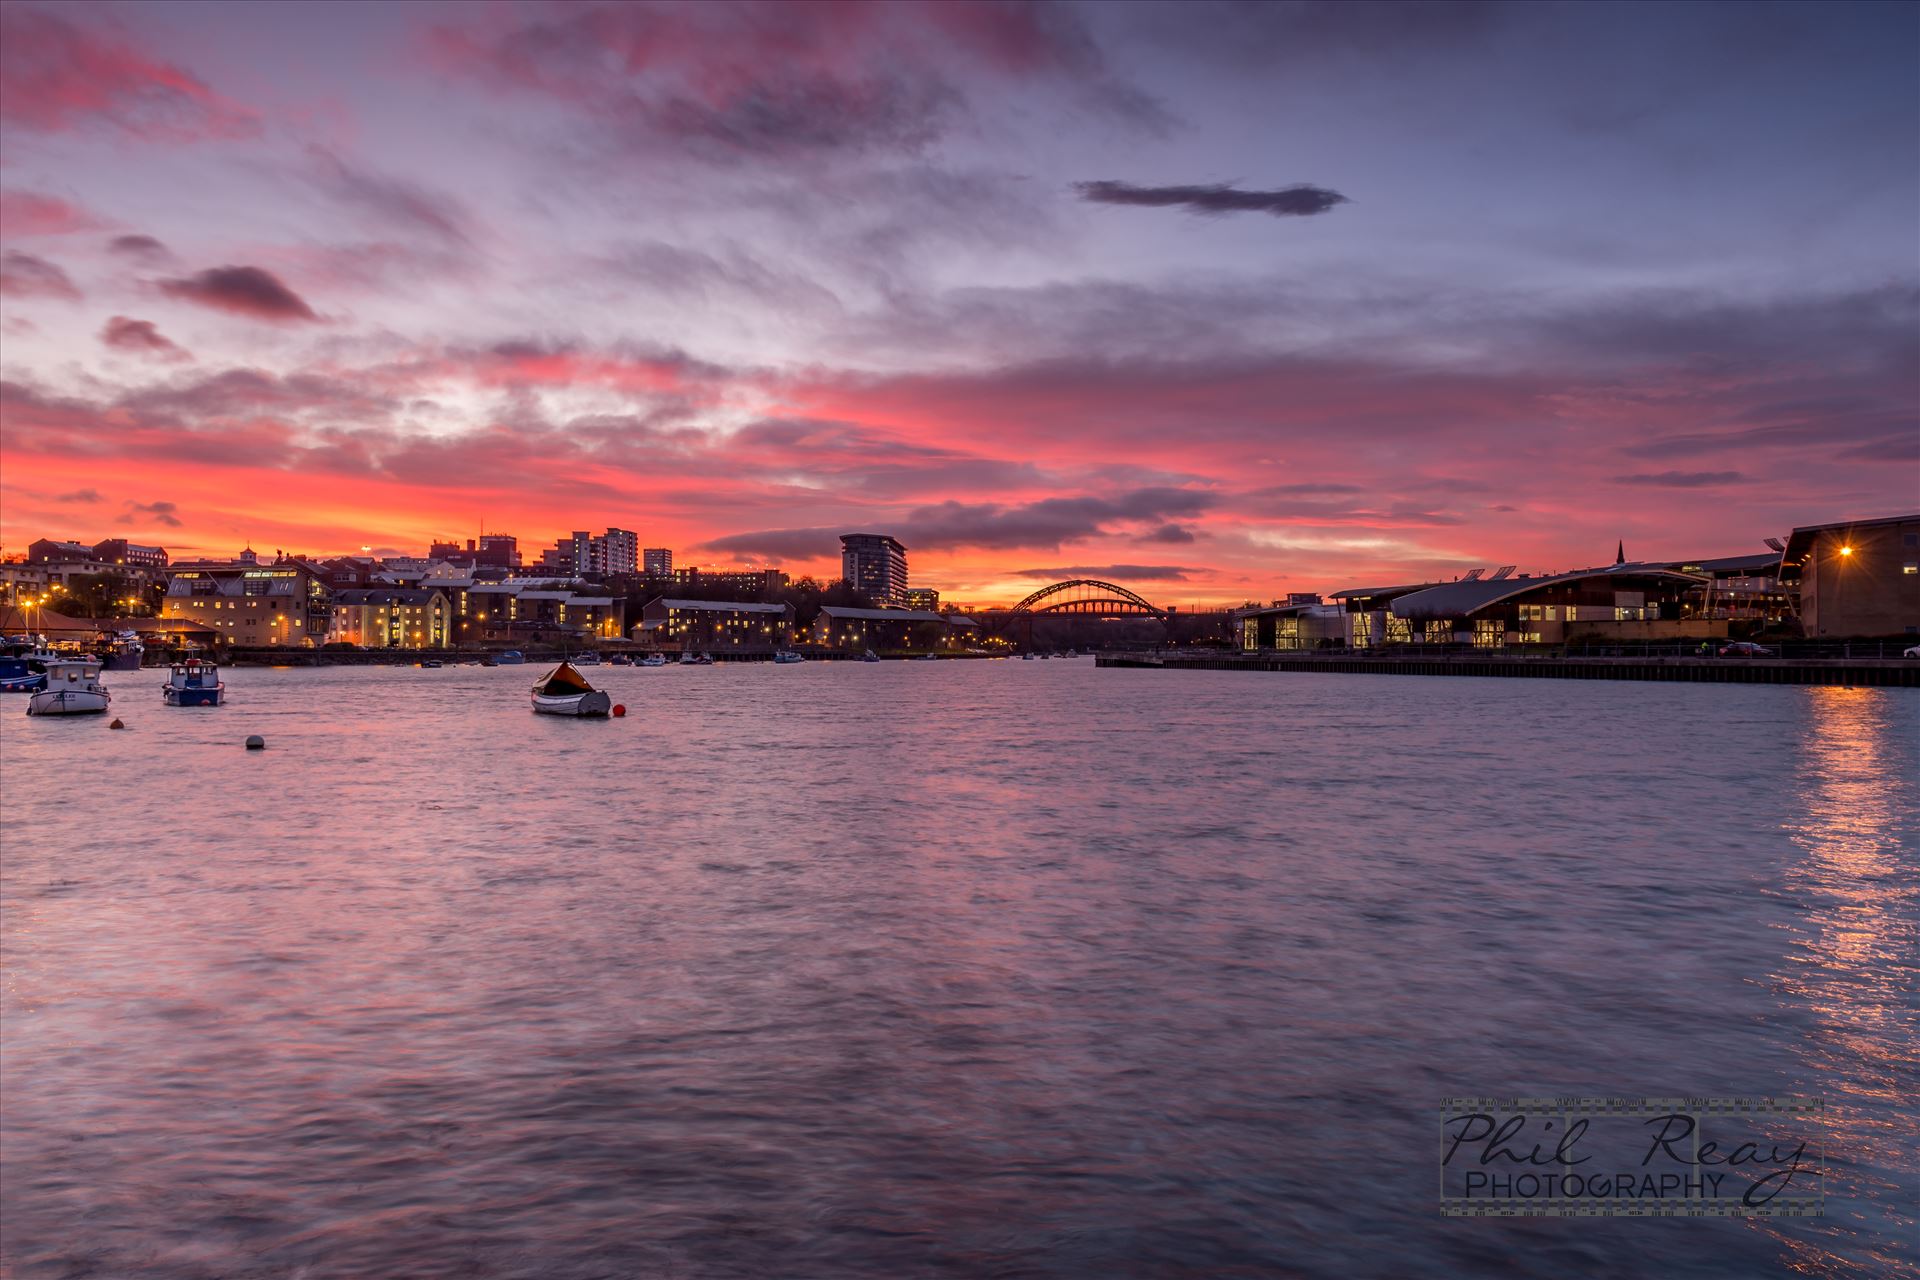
x=619, y=709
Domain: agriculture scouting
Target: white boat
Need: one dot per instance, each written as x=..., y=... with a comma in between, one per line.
x=692, y=659
x=565, y=692
x=869, y=656
x=73, y=689
x=786, y=657
x=654, y=660
x=194, y=684
x=588, y=659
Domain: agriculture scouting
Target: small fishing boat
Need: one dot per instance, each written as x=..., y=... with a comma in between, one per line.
x=431, y=664
x=565, y=692
x=619, y=660
x=24, y=668
x=509, y=658
x=787, y=657
x=692, y=659
x=1026, y=657
x=194, y=683
x=122, y=652
x=869, y=656
x=654, y=660
x=73, y=689
x=588, y=659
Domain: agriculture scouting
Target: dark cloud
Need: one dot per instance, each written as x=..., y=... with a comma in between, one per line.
x=247, y=291
x=156, y=512
x=770, y=79
x=80, y=495
x=24, y=276
x=1117, y=572
x=142, y=249
x=1681, y=479
x=783, y=544
x=1168, y=534
x=1288, y=202
x=1048, y=522
x=141, y=337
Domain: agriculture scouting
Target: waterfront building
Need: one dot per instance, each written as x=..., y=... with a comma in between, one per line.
x=875, y=565
x=714, y=624
x=1302, y=622
x=1856, y=577
x=1370, y=622
x=1618, y=602
x=840, y=627
x=657, y=562
x=392, y=618
x=1744, y=590
x=925, y=599
x=287, y=603
x=617, y=551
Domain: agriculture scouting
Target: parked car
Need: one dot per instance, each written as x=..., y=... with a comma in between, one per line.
x=1912, y=653
x=1745, y=649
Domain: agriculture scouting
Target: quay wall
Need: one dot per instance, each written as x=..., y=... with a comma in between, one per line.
x=1878, y=672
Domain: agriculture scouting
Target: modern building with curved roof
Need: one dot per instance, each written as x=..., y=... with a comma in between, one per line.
x=1618, y=601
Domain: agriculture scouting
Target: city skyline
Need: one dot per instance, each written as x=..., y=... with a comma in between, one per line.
x=1042, y=291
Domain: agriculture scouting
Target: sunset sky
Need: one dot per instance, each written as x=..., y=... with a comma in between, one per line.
x=1220, y=301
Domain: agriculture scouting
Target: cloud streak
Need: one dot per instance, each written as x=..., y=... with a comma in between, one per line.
x=1287, y=202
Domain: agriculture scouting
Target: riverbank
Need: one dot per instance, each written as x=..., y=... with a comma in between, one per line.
x=1876, y=672
x=288, y=657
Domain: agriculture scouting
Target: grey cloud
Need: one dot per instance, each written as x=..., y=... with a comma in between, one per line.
x=1681, y=479
x=1117, y=572
x=80, y=495
x=1288, y=202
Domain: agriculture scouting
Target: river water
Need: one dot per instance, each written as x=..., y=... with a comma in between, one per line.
x=947, y=970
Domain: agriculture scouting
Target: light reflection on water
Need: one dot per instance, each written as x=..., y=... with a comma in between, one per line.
x=1850, y=969
x=927, y=969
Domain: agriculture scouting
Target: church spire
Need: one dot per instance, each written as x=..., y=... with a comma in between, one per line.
x=1620, y=556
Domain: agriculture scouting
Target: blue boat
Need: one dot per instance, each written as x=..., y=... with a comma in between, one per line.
x=23, y=667
x=194, y=684
x=510, y=658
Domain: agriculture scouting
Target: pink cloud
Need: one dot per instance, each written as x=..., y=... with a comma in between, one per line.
x=24, y=276
x=57, y=76
x=140, y=337
x=32, y=213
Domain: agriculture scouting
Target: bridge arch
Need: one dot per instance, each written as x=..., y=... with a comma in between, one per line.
x=1090, y=596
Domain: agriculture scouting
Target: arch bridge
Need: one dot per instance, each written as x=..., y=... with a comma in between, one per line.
x=1088, y=597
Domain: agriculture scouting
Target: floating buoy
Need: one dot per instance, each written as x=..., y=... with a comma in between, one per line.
x=256, y=743
x=116, y=725
x=619, y=709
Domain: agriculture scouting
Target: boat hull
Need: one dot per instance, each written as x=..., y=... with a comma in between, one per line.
x=596, y=703
x=68, y=702
x=122, y=660
x=33, y=682
x=194, y=697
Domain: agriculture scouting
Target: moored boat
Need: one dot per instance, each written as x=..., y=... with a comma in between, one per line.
x=24, y=668
x=194, y=684
x=654, y=660
x=787, y=657
x=587, y=659
x=869, y=656
x=122, y=652
x=509, y=658
x=73, y=689
x=565, y=692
